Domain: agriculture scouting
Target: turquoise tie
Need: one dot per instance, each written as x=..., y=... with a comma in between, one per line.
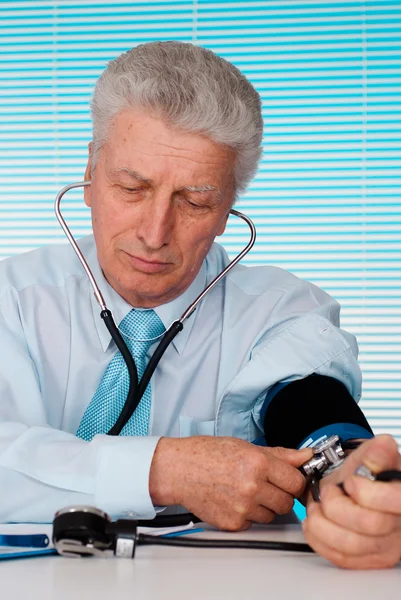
x=110, y=396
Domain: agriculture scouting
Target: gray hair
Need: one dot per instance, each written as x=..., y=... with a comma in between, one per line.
x=193, y=89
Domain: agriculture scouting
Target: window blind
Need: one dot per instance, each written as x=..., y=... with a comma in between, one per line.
x=327, y=197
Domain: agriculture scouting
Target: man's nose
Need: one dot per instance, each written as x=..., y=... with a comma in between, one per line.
x=156, y=223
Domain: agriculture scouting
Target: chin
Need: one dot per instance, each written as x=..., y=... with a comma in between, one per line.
x=143, y=295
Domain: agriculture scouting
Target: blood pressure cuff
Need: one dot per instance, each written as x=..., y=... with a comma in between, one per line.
x=303, y=411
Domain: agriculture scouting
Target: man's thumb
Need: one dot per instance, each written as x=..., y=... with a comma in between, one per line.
x=294, y=457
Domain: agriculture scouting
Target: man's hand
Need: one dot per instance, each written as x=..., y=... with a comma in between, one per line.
x=362, y=531
x=225, y=481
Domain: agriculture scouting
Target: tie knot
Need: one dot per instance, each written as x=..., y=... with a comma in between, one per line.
x=140, y=328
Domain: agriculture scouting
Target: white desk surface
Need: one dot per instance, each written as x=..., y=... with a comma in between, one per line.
x=202, y=573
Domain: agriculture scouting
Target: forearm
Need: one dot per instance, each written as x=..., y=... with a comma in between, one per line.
x=44, y=469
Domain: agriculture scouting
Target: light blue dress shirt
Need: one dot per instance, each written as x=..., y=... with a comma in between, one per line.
x=258, y=327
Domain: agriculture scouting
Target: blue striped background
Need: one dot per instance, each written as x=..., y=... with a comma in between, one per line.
x=327, y=197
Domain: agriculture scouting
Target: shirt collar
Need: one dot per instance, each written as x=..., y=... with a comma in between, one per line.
x=168, y=313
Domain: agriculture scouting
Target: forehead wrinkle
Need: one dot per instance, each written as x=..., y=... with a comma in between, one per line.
x=182, y=148
x=191, y=158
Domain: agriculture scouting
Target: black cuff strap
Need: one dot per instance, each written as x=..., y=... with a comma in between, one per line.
x=306, y=405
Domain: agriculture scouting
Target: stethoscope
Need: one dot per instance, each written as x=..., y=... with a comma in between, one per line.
x=137, y=388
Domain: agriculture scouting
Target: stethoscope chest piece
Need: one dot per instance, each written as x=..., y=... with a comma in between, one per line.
x=81, y=531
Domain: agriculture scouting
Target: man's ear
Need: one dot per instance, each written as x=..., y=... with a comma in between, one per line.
x=222, y=227
x=88, y=177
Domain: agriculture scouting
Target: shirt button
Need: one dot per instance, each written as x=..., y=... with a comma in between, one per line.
x=130, y=514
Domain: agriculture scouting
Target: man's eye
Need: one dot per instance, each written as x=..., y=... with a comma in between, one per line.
x=132, y=190
x=195, y=205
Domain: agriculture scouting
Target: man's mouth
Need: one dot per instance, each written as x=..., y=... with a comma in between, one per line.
x=147, y=266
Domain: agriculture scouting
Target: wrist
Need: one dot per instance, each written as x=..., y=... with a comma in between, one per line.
x=164, y=472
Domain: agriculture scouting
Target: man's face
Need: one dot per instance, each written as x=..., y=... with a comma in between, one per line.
x=159, y=196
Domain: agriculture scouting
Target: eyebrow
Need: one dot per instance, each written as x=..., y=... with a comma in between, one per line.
x=133, y=174
x=189, y=188
x=200, y=188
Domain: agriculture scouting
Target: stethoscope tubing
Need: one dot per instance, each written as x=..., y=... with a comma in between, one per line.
x=137, y=388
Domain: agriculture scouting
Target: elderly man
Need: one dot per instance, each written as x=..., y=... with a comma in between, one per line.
x=176, y=136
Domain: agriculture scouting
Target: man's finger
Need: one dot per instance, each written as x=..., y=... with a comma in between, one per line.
x=343, y=511
x=375, y=495
x=261, y=514
x=373, y=561
x=378, y=454
x=345, y=541
x=296, y=458
x=285, y=476
x=275, y=499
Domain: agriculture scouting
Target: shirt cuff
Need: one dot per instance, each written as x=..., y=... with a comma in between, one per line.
x=122, y=481
x=346, y=431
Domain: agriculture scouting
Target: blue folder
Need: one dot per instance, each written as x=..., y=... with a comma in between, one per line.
x=15, y=552
x=24, y=546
